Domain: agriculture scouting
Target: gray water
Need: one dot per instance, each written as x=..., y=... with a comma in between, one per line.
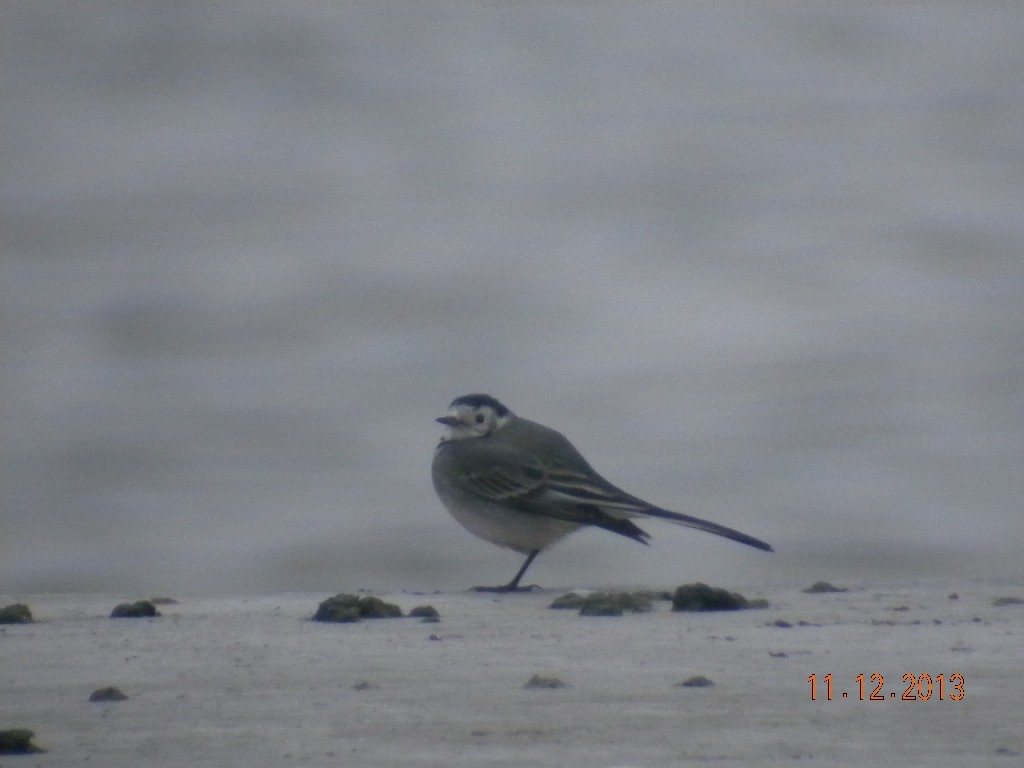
x=762, y=263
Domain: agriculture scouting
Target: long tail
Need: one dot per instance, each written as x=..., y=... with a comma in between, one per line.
x=707, y=525
x=587, y=498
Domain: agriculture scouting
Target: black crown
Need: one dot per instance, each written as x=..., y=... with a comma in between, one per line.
x=476, y=401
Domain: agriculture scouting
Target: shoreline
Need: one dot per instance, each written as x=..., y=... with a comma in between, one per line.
x=251, y=680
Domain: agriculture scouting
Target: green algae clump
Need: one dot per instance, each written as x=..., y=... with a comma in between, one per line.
x=344, y=608
x=16, y=613
x=18, y=741
x=143, y=609
x=701, y=597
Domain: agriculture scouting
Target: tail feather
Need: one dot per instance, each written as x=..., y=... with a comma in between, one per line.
x=588, y=499
x=709, y=527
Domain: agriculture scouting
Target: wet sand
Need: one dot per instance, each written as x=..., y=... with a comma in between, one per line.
x=251, y=681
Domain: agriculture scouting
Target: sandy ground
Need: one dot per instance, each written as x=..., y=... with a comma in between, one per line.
x=251, y=681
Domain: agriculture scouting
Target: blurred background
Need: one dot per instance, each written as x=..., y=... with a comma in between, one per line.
x=762, y=263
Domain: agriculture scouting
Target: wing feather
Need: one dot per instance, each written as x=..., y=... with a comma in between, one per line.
x=566, y=488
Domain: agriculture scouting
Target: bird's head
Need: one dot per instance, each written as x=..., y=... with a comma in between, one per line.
x=474, y=416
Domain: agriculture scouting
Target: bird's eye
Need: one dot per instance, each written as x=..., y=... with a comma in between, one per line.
x=479, y=418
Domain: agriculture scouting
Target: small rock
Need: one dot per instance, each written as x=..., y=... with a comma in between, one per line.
x=954, y=596
x=615, y=603
x=110, y=693
x=569, y=601
x=820, y=587
x=697, y=681
x=375, y=608
x=1001, y=601
x=15, y=613
x=18, y=741
x=545, y=681
x=140, y=610
x=600, y=606
x=425, y=613
x=701, y=597
x=363, y=685
x=340, y=608
x=348, y=608
x=782, y=624
x=333, y=609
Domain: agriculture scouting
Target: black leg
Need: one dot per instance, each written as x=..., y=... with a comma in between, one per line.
x=513, y=586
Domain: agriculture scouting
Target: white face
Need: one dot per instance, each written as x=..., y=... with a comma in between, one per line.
x=464, y=420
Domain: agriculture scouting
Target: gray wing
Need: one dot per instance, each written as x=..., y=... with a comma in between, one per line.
x=570, y=487
x=567, y=488
x=532, y=485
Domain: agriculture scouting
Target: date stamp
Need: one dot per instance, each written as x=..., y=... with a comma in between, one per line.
x=922, y=687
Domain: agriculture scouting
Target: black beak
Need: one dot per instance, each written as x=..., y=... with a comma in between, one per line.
x=448, y=421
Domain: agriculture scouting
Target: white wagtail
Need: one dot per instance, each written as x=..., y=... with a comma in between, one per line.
x=521, y=485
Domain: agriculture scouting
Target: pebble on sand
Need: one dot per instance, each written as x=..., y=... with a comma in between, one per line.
x=109, y=693
x=545, y=681
x=822, y=587
x=16, y=613
x=345, y=608
x=697, y=681
x=18, y=741
x=143, y=609
x=700, y=597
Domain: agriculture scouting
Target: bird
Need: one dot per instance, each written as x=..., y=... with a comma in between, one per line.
x=524, y=486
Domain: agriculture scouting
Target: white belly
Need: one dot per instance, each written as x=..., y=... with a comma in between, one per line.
x=520, y=531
